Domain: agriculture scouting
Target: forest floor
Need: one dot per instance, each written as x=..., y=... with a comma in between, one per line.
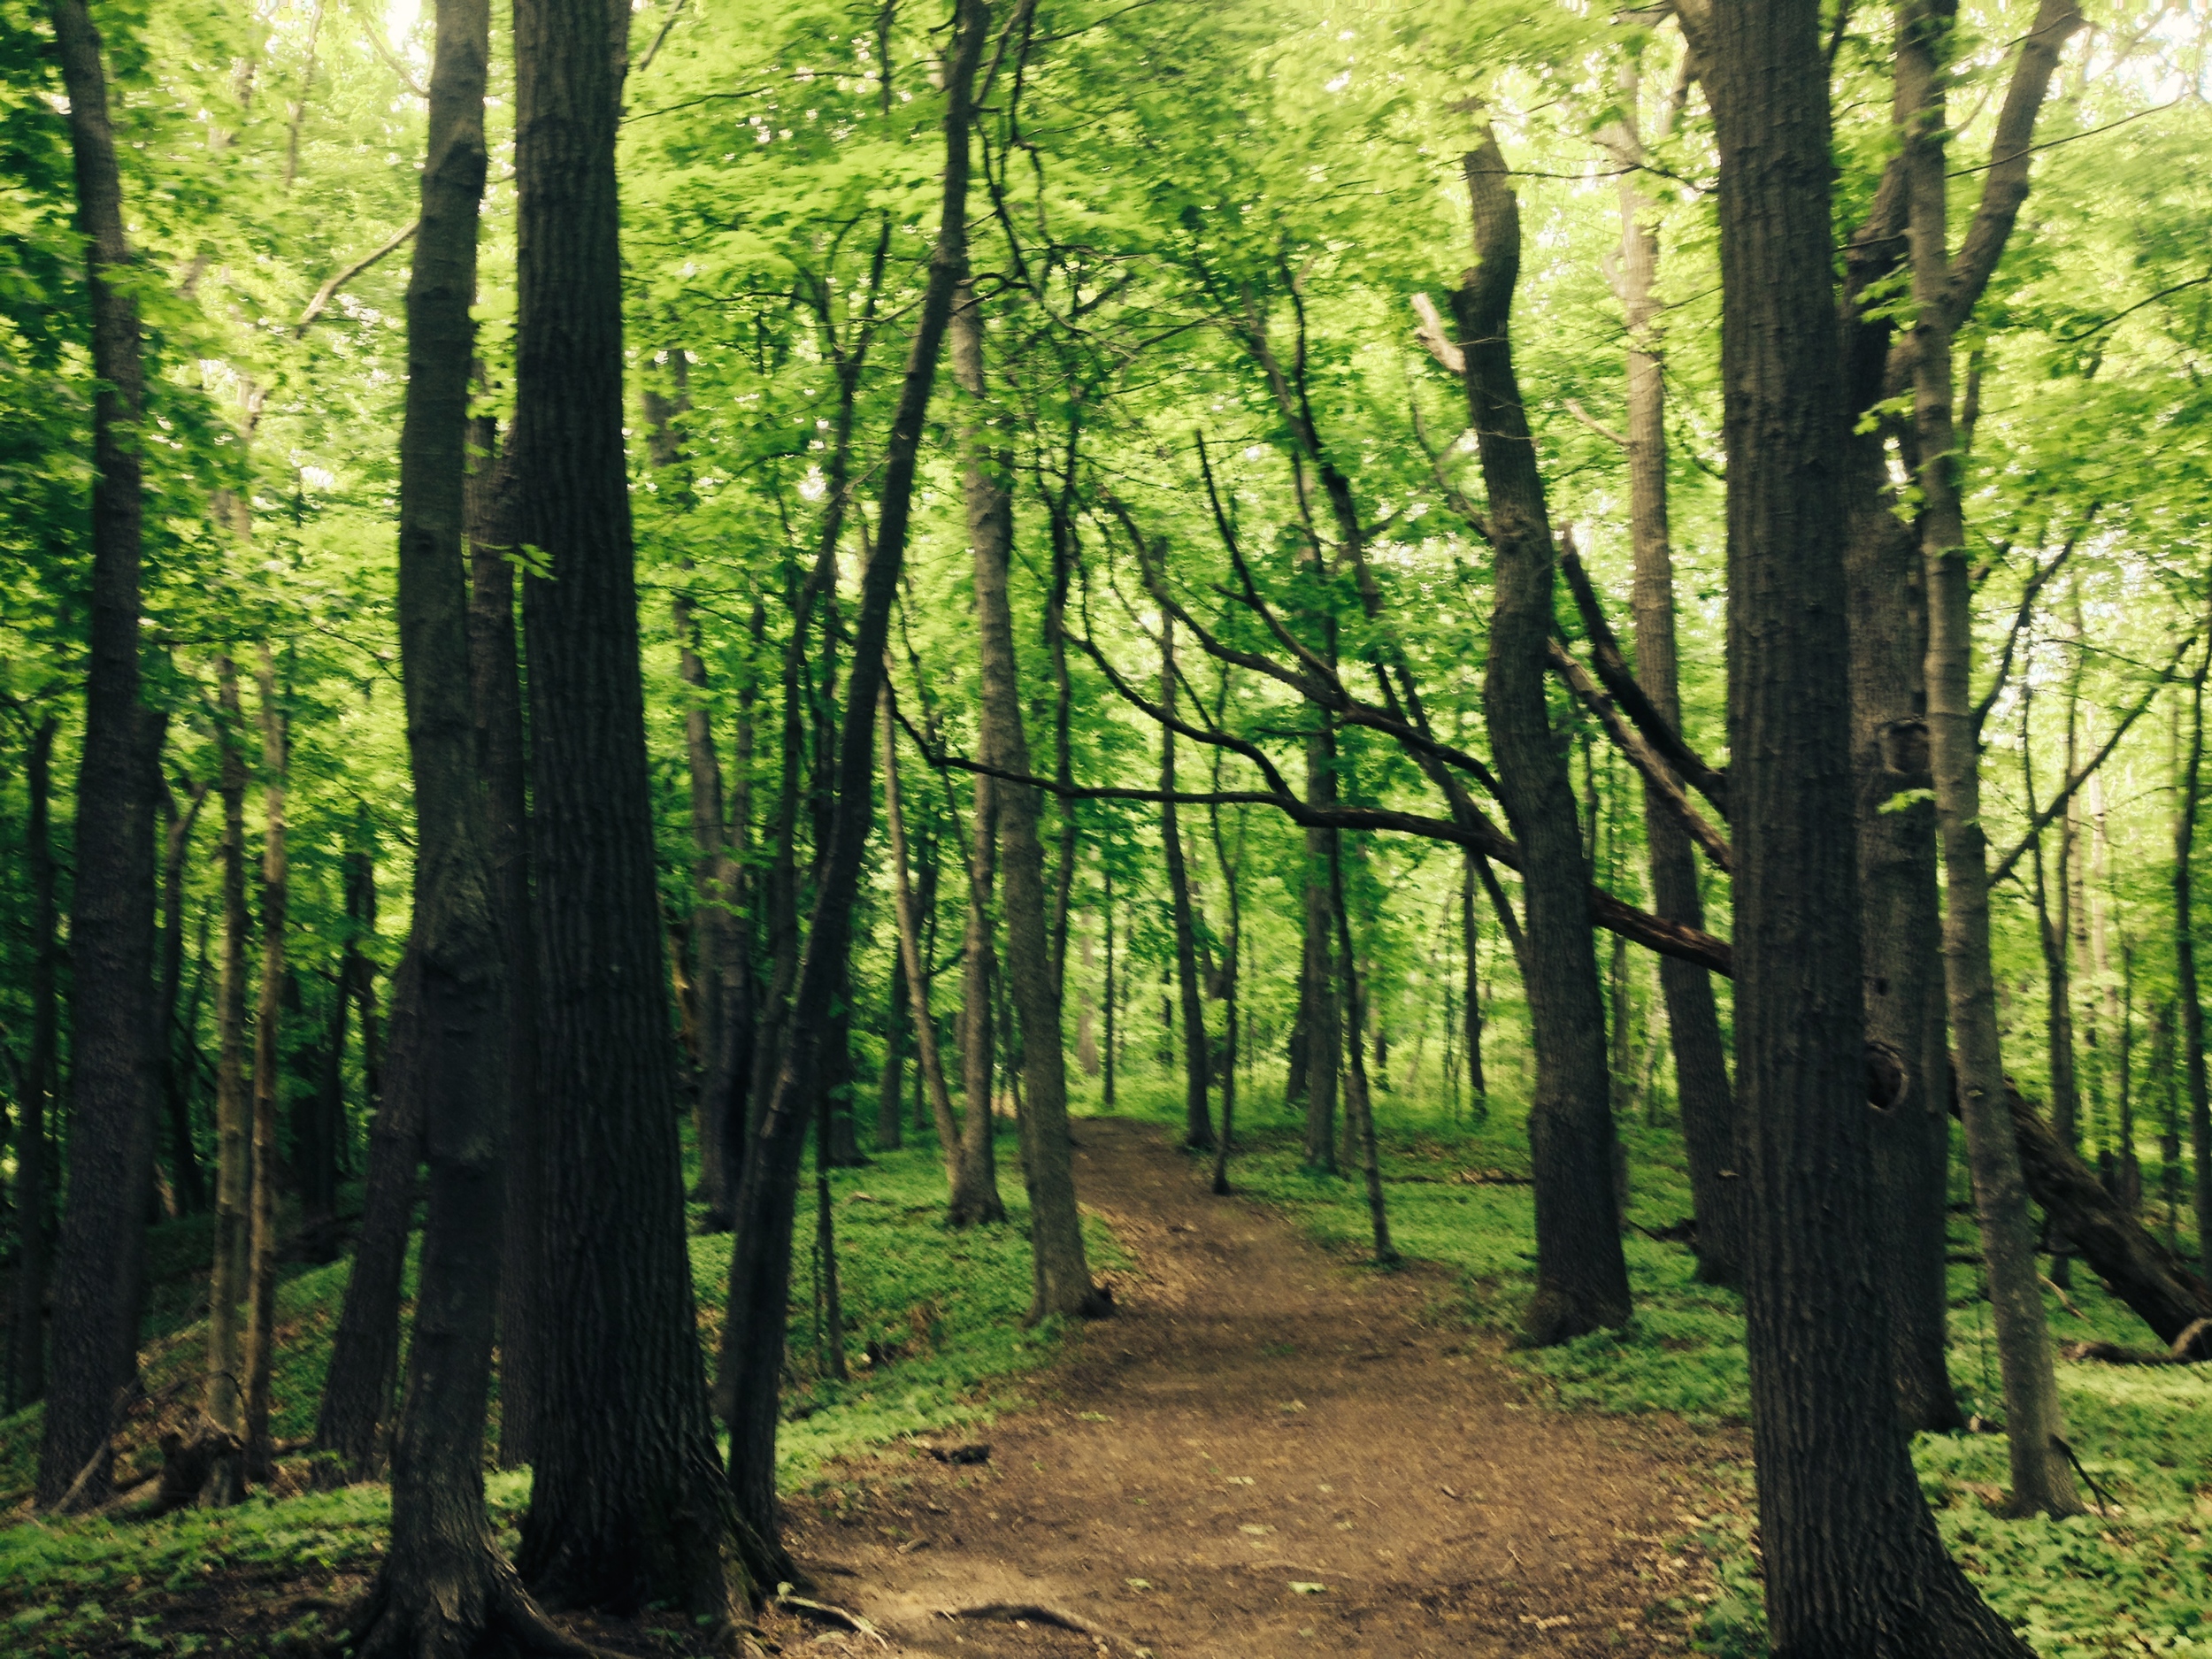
x=1267, y=1451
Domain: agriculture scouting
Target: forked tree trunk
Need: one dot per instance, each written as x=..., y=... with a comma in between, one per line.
x=97, y=1269
x=2035, y=1431
x=1853, y=1564
x=1581, y=1277
x=624, y=1503
x=33, y=1182
x=1061, y=1276
x=443, y=1587
x=760, y=1266
x=268, y=1077
x=1198, y=1133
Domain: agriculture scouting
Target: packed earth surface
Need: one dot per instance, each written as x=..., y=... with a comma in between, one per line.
x=1264, y=1452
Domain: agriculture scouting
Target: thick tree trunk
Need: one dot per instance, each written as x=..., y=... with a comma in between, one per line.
x=624, y=1504
x=1702, y=1090
x=33, y=1180
x=443, y=1587
x=760, y=1267
x=1198, y=1133
x=1061, y=1276
x=113, y=1080
x=1581, y=1277
x=268, y=1077
x=1854, y=1566
x=2041, y=1475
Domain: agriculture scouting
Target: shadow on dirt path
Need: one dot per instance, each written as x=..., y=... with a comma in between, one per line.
x=1265, y=1452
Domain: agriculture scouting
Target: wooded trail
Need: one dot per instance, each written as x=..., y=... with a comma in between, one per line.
x=1264, y=1452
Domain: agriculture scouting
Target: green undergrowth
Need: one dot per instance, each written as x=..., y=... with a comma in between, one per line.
x=934, y=1340
x=2132, y=1576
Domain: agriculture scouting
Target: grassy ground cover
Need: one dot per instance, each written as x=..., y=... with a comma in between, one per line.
x=933, y=1341
x=2134, y=1578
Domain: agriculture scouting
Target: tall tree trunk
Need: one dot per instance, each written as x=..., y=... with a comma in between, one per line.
x=2041, y=1477
x=1702, y=1090
x=1061, y=1276
x=234, y=1110
x=760, y=1267
x=444, y=1587
x=1581, y=1277
x=33, y=1180
x=1232, y=969
x=623, y=1505
x=96, y=1268
x=1317, y=1061
x=1471, y=991
x=1197, y=1123
x=268, y=1077
x=974, y=1196
x=2186, y=987
x=1359, y=1108
x=1853, y=1564
x=913, y=976
x=2055, y=935
x=1112, y=1053
x=891, y=1081
x=176, y=1080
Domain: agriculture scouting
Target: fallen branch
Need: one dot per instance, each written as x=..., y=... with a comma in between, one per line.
x=828, y=1615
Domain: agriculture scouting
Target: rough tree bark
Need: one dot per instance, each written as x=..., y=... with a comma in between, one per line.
x=1061, y=1276
x=2042, y=1478
x=1853, y=1564
x=625, y=1502
x=113, y=1080
x=1581, y=1277
x=760, y=1266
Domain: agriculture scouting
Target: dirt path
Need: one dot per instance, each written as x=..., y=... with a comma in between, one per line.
x=1258, y=1417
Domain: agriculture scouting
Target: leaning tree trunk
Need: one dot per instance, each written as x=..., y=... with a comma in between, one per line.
x=1061, y=1276
x=1853, y=1564
x=2035, y=1431
x=112, y=932
x=760, y=1266
x=268, y=1077
x=1198, y=1133
x=33, y=1181
x=444, y=1588
x=1702, y=1090
x=624, y=1506
x=1581, y=1277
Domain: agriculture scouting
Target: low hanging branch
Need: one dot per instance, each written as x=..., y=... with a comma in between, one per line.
x=1670, y=939
x=1654, y=772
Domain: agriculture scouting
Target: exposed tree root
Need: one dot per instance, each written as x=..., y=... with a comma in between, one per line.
x=1037, y=1613
x=837, y=1615
x=456, y=1611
